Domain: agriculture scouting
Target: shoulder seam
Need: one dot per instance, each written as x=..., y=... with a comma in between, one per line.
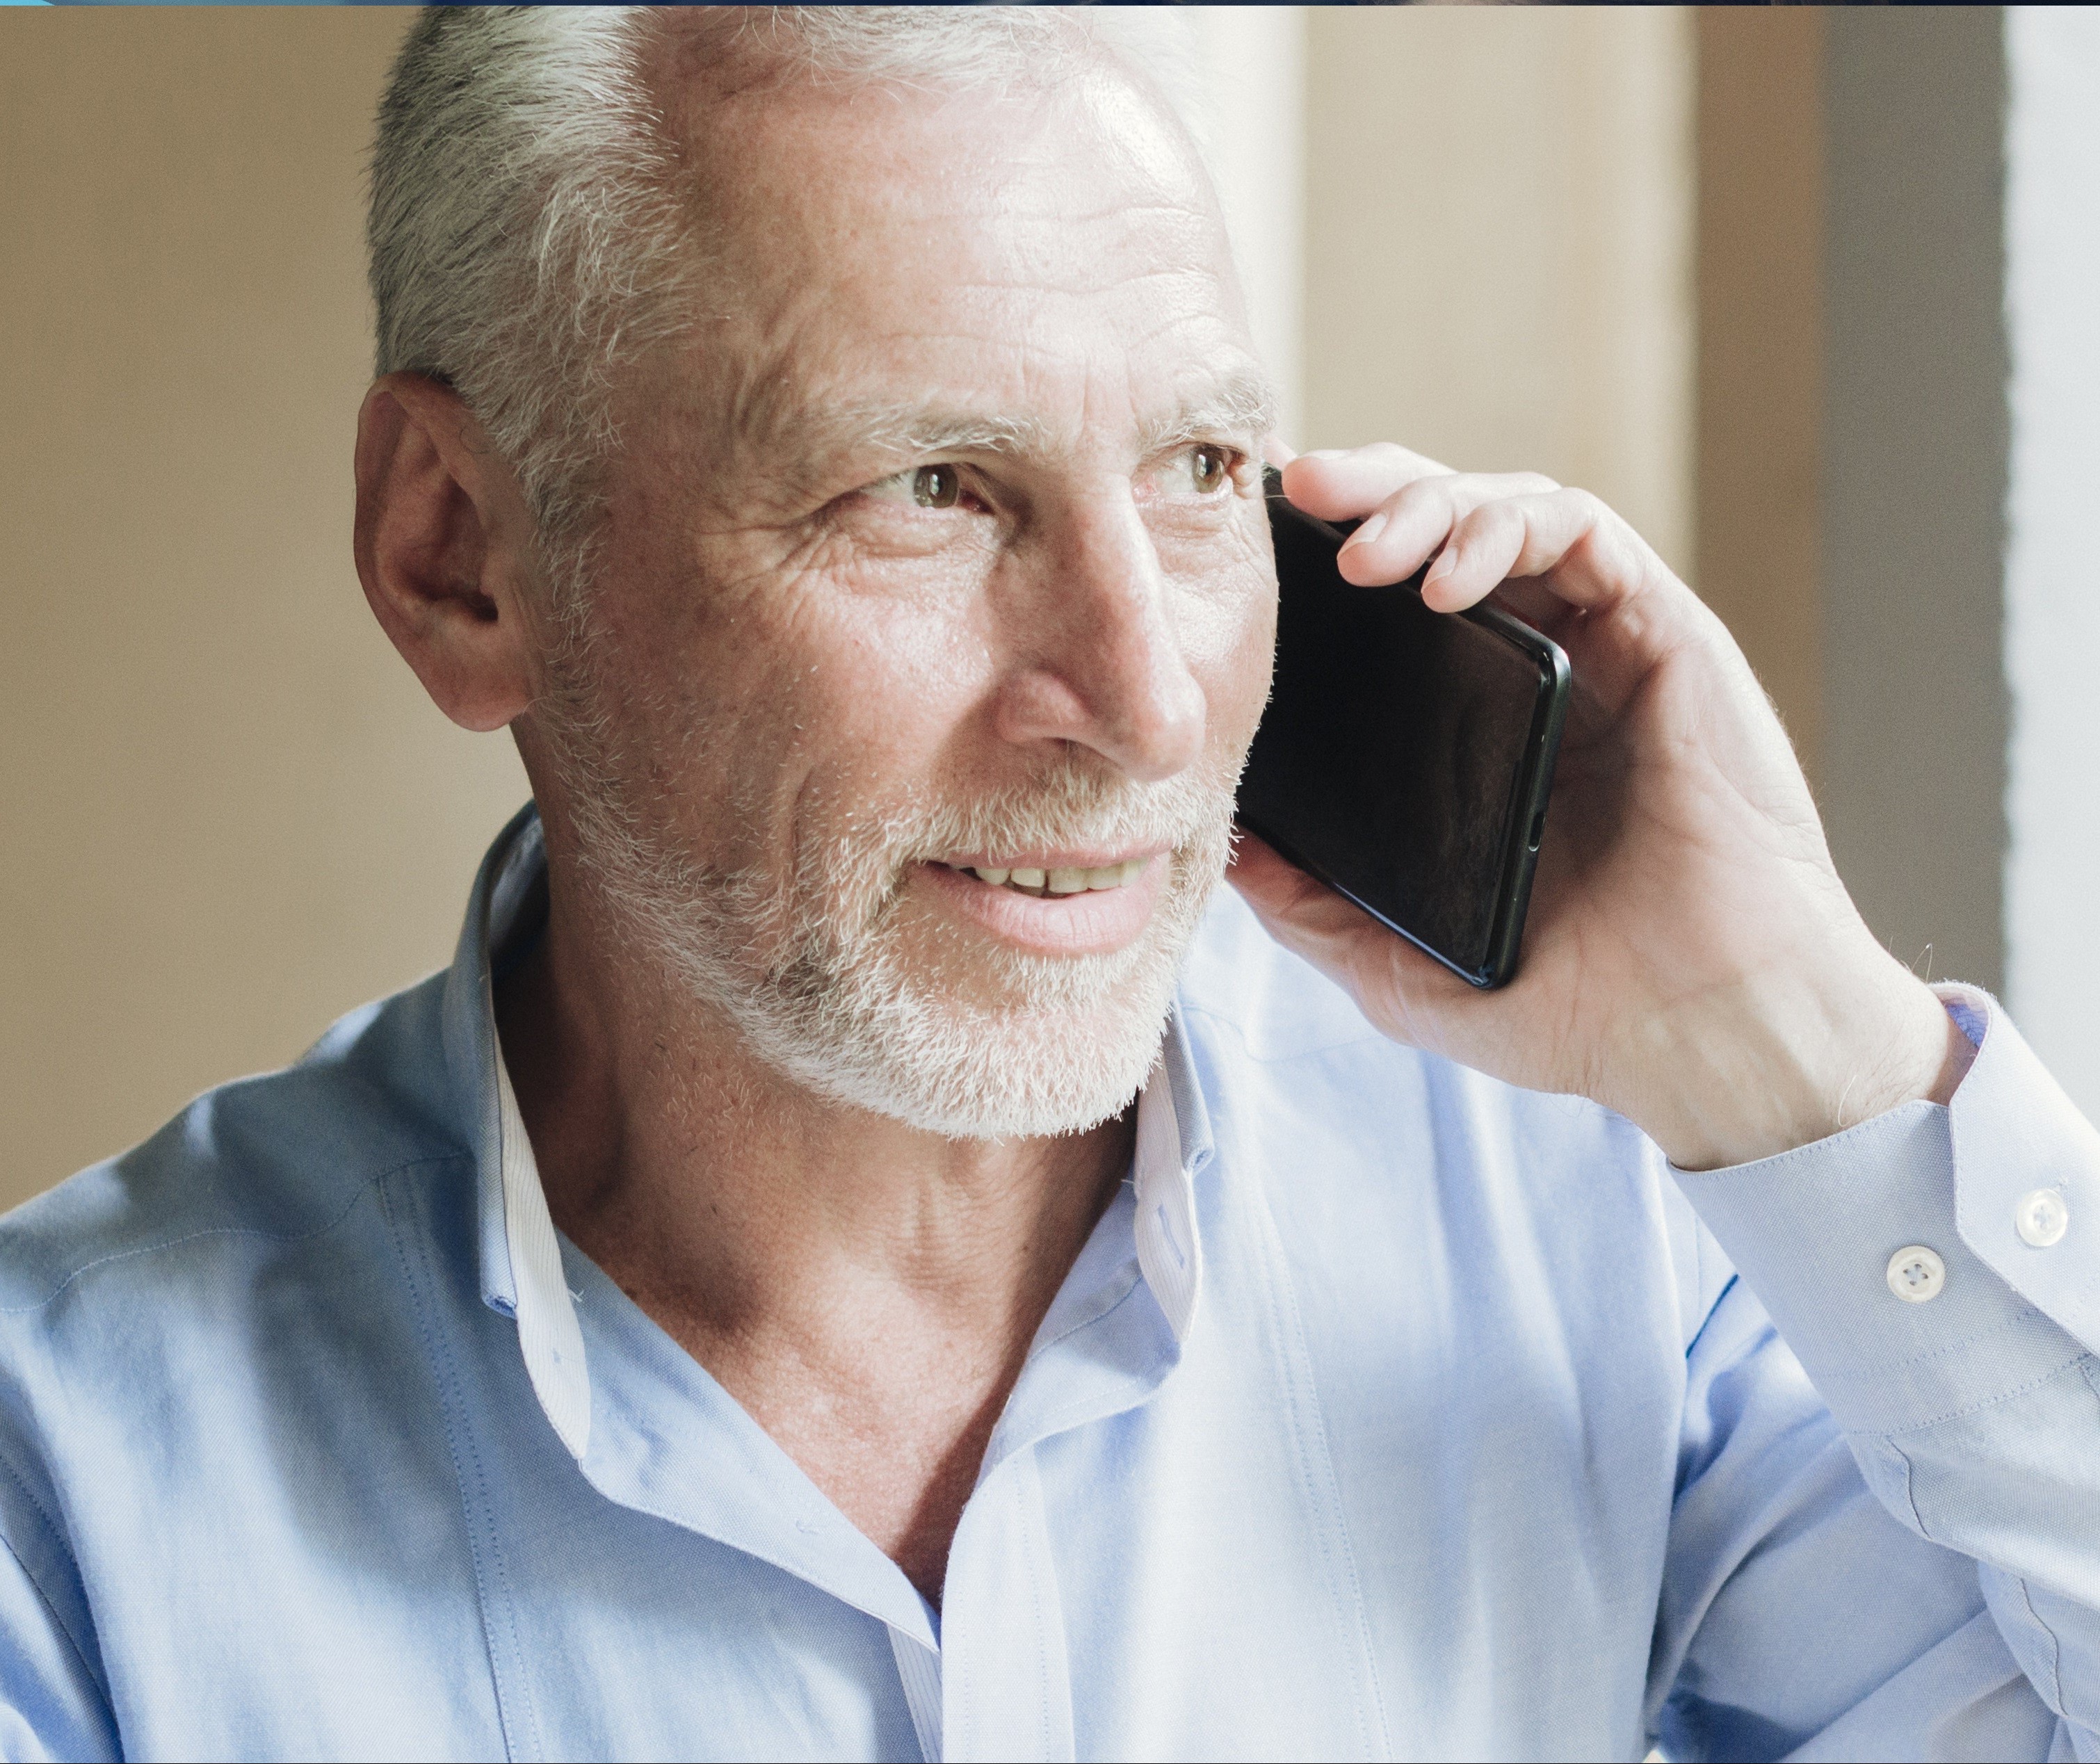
x=238, y=1231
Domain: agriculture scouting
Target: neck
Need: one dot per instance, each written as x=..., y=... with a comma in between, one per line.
x=867, y=1291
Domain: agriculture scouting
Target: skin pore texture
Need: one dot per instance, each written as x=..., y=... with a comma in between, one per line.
x=936, y=544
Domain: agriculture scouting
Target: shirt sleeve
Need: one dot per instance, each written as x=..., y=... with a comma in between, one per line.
x=1919, y=1297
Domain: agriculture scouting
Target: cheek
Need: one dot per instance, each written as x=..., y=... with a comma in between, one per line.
x=1230, y=647
x=854, y=701
x=896, y=684
x=785, y=675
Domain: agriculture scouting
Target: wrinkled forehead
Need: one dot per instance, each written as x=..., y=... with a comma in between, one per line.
x=1050, y=253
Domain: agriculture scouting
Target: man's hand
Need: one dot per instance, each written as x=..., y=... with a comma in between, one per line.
x=1690, y=959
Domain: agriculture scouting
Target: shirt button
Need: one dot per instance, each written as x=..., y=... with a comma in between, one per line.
x=1917, y=1274
x=2042, y=1218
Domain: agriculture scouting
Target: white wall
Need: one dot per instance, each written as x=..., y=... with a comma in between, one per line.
x=2052, y=630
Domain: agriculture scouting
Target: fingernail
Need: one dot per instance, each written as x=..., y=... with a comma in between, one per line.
x=1324, y=453
x=1365, y=534
x=1444, y=563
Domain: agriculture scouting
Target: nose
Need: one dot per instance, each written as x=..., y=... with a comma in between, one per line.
x=1099, y=662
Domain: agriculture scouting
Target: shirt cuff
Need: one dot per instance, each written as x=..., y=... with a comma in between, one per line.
x=1813, y=1231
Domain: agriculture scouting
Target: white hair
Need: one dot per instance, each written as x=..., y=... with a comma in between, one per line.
x=526, y=240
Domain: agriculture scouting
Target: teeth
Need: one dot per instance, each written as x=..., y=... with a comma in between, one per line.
x=1070, y=880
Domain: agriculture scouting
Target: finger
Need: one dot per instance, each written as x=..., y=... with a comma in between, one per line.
x=1276, y=452
x=1270, y=882
x=1304, y=915
x=1620, y=607
x=1579, y=548
x=1399, y=988
x=1335, y=484
x=1397, y=538
x=1538, y=607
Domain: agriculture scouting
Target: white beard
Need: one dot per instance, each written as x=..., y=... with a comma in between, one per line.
x=978, y=1042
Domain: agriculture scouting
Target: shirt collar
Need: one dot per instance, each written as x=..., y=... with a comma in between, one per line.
x=520, y=1253
x=1174, y=1145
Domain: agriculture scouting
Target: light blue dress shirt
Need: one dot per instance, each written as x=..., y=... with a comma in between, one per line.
x=1387, y=1411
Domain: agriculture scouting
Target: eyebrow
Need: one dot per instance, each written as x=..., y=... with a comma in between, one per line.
x=814, y=432
x=1242, y=405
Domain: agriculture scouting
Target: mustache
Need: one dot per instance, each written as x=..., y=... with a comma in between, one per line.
x=1072, y=805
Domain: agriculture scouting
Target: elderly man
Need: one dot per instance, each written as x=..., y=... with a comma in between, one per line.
x=869, y=1251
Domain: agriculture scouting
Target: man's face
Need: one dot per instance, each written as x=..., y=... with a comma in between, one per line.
x=935, y=552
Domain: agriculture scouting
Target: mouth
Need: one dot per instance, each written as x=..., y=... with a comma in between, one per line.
x=1052, y=902
x=1041, y=881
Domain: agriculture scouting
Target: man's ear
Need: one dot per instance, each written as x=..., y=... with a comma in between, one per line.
x=443, y=542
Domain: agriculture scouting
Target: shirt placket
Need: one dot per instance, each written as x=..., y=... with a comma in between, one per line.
x=1108, y=1347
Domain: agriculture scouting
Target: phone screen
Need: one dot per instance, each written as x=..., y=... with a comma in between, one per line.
x=1406, y=754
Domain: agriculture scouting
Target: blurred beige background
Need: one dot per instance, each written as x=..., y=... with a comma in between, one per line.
x=230, y=813
x=1498, y=244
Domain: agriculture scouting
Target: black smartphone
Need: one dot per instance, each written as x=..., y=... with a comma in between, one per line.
x=1406, y=756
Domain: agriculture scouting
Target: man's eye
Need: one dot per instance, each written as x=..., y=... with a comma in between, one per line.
x=925, y=486
x=1209, y=469
x=936, y=486
x=1198, y=470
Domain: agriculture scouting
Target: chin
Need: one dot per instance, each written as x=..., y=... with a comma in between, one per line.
x=1026, y=1069
x=948, y=1038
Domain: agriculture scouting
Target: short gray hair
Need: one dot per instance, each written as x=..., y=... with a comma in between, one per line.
x=526, y=241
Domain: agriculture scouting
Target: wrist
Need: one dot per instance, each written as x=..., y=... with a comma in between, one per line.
x=1787, y=1059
